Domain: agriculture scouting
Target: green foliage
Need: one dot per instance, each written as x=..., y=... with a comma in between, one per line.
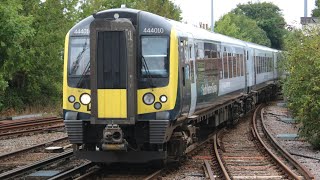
x=268, y=17
x=15, y=31
x=32, y=37
x=302, y=86
x=161, y=7
x=316, y=11
x=241, y=27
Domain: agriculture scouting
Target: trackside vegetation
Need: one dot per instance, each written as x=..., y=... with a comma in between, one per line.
x=302, y=84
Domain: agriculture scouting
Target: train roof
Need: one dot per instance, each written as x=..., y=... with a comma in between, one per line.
x=204, y=34
x=183, y=29
x=207, y=35
x=257, y=46
x=126, y=10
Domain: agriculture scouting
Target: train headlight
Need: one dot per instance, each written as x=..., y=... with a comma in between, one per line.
x=148, y=98
x=76, y=105
x=163, y=98
x=85, y=99
x=157, y=106
x=71, y=99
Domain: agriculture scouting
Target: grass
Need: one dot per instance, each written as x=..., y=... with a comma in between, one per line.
x=49, y=110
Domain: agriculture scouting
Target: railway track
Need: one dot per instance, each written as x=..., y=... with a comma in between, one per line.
x=24, y=127
x=122, y=173
x=246, y=153
x=283, y=152
x=30, y=154
x=243, y=153
x=55, y=167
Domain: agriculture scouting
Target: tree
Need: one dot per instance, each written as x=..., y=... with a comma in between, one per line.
x=241, y=27
x=34, y=73
x=15, y=32
x=316, y=11
x=302, y=86
x=164, y=8
x=268, y=17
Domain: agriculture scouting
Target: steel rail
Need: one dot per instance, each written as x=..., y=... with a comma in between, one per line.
x=221, y=165
x=30, y=148
x=274, y=157
x=26, y=121
x=68, y=174
x=33, y=166
x=153, y=175
x=36, y=123
x=31, y=130
x=86, y=176
x=306, y=173
x=209, y=169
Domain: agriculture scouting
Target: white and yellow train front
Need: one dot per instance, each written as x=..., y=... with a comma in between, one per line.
x=121, y=83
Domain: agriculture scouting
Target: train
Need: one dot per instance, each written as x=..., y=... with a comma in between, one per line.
x=139, y=87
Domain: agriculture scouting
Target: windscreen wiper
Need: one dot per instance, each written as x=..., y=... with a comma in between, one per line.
x=86, y=70
x=75, y=64
x=145, y=65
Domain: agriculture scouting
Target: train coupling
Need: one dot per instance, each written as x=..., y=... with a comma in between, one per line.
x=113, y=139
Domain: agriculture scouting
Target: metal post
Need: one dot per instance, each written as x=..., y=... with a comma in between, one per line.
x=212, y=20
x=305, y=8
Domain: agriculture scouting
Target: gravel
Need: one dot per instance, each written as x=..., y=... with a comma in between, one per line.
x=272, y=115
x=13, y=144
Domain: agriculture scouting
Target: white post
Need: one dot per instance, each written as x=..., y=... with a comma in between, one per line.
x=212, y=20
x=305, y=8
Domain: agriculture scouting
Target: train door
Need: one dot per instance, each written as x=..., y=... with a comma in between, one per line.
x=246, y=74
x=193, y=75
x=255, y=65
x=274, y=63
x=185, y=74
x=250, y=70
x=113, y=68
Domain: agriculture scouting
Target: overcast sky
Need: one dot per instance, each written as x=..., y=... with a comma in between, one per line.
x=195, y=11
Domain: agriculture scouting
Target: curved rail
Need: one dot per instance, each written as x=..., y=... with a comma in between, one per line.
x=275, y=158
x=222, y=167
x=306, y=173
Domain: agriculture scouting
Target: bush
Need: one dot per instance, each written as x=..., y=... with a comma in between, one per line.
x=302, y=86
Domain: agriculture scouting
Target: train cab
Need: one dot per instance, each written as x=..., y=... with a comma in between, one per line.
x=120, y=83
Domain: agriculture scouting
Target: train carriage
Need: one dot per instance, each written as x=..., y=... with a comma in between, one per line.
x=139, y=87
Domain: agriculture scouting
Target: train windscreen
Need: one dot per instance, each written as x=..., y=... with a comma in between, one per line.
x=79, y=56
x=155, y=61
